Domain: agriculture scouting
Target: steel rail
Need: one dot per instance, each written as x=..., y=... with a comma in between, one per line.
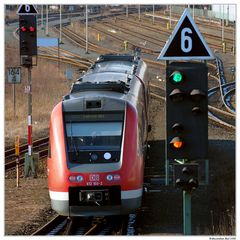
x=101, y=50
x=133, y=43
x=24, y=147
x=199, y=20
x=12, y=164
x=227, y=98
x=64, y=60
x=53, y=227
x=77, y=56
x=222, y=83
x=168, y=32
x=92, y=46
x=10, y=158
x=132, y=32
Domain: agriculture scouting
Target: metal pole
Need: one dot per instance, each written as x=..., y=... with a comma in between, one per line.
x=139, y=13
x=58, y=55
x=17, y=151
x=234, y=38
x=17, y=171
x=29, y=111
x=166, y=172
x=86, y=29
x=222, y=23
x=42, y=17
x=47, y=20
x=187, y=228
x=14, y=101
x=220, y=15
x=127, y=11
x=193, y=11
x=170, y=13
x=60, y=38
x=227, y=20
x=153, y=14
x=206, y=172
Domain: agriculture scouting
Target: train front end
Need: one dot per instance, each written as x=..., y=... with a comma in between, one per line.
x=96, y=158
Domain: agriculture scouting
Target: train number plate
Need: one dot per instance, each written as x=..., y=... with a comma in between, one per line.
x=94, y=180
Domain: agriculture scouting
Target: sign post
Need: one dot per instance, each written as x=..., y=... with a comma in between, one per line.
x=186, y=107
x=17, y=153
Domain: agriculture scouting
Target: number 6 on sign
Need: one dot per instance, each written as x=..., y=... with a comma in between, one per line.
x=186, y=41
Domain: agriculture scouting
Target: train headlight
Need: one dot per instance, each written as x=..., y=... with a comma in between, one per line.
x=72, y=178
x=79, y=178
x=109, y=177
x=114, y=177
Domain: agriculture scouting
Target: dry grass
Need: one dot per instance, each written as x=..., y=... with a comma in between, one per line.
x=48, y=86
x=10, y=15
x=223, y=224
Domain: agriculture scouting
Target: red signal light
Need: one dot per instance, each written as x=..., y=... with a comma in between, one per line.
x=23, y=29
x=177, y=143
x=32, y=29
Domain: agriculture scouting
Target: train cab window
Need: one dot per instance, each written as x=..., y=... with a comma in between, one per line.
x=94, y=138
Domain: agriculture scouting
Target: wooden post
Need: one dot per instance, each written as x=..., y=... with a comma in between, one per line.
x=17, y=153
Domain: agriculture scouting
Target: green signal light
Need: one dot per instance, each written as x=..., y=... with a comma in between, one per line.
x=177, y=77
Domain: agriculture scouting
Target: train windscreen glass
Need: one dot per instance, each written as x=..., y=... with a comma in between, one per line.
x=94, y=138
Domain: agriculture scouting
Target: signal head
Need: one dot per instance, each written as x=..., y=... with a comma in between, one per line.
x=197, y=95
x=32, y=29
x=177, y=128
x=193, y=183
x=177, y=143
x=196, y=111
x=176, y=77
x=23, y=29
x=176, y=95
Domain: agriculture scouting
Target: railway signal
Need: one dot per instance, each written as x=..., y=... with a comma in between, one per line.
x=186, y=176
x=187, y=114
x=186, y=104
x=28, y=50
x=28, y=35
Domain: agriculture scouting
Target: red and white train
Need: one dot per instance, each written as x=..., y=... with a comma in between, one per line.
x=98, y=140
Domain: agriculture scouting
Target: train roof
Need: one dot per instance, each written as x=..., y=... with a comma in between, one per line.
x=109, y=73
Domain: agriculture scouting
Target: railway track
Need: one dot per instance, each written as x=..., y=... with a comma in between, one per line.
x=226, y=90
x=213, y=41
x=206, y=22
x=144, y=49
x=86, y=226
x=40, y=146
x=81, y=42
